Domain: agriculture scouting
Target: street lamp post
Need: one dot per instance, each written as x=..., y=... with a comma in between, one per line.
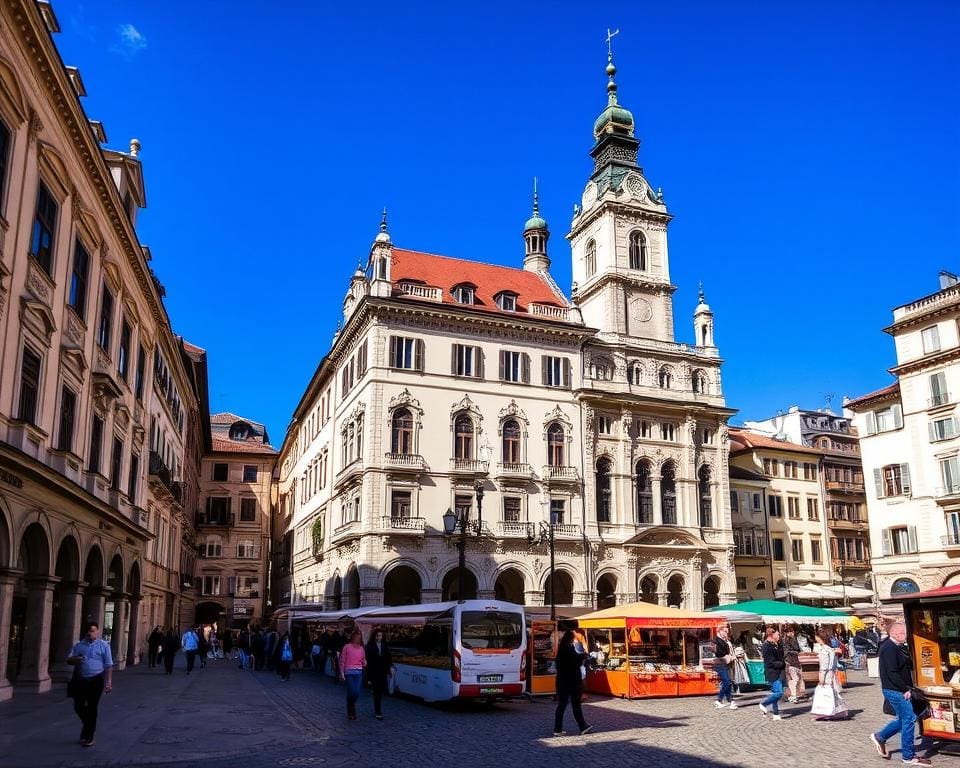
x=478, y=491
x=545, y=534
x=451, y=522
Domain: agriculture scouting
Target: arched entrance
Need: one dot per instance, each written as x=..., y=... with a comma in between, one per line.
x=334, y=594
x=606, y=591
x=113, y=611
x=209, y=612
x=402, y=586
x=711, y=592
x=31, y=613
x=509, y=586
x=562, y=589
x=351, y=587
x=675, y=591
x=93, y=595
x=67, y=607
x=451, y=585
x=648, y=589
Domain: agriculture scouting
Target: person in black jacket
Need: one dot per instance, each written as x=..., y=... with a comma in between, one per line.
x=721, y=665
x=153, y=645
x=896, y=681
x=379, y=662
x=773, y=672
x=569, y=664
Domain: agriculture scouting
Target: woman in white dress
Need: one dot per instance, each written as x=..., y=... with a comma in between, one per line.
x=827, y=657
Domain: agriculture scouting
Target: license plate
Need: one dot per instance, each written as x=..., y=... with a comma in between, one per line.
x=489, y=678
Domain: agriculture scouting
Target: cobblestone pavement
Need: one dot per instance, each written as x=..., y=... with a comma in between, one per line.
x=221, y=717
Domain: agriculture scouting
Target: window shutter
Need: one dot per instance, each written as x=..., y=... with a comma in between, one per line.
x=566, y=372
x=525, y=367
x=932, y=429
x=544, y=373
x=878, y=481
x=478, y=362
x=871, y=423
x=905, y=478
x=393, y=351
x=886, y=543
x=454, y=348
x=897, y=416
x=912, y=538
x=503, y=359
x=418, y=354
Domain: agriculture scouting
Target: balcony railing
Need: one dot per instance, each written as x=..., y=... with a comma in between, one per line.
x=952, y=539
x=158, y=469
x=838, y=485
x=514, y=529
x=416, y=525
x=208, y=519
x=566, y=531
x=947, y=490
x=404, y=460
x=563, y=474
x=472, y=466
x=348, y=529
x=840, y=521
x=850, y=563
x=513, y=469
x=940, y=398
x=548, y=310
x=428, y=292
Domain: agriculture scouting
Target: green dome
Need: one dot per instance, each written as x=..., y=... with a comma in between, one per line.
x=535, y=222
x=615, y=116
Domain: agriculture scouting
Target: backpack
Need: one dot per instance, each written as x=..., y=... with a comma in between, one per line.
x=286, y=655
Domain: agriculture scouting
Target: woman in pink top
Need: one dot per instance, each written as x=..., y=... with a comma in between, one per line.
x=352, y=661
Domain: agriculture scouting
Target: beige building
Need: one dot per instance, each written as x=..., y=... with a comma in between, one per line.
x=85, y=511
x=233, y=523
x=486, y=391
x=910, y=444
x=751, y=532
x=794, y=506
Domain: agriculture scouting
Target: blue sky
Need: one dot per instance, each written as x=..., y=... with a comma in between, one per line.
x=810, y=152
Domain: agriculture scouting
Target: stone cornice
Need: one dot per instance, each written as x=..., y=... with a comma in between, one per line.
x=631, y=208
x=40, y=49
x=927, y=361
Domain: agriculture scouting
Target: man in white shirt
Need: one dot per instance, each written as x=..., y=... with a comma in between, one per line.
x=94, y=663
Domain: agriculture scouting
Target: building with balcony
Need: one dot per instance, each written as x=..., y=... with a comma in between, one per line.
x=485, y=390
x=233, y=524
x=82, y=322
x=755, y=574
x=910, y=445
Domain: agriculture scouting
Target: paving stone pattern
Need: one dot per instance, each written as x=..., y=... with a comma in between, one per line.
x=222, y=717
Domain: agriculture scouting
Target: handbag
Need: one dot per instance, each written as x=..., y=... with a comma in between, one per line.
x=73, y=684
x=824, y=703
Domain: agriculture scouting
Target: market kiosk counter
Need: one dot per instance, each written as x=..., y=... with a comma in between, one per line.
x=933, y=635
x=641, y=650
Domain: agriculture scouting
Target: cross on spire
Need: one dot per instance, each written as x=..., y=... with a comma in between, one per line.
x=610, y=36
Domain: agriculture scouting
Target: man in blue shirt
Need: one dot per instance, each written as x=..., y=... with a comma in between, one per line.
x=190, y=643
x=95, y=663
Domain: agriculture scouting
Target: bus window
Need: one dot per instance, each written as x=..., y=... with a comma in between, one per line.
x=491, y=630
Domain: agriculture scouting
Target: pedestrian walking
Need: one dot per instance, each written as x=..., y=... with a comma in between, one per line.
x=154, y=641
x=773, y=671
x=353, y=659
x=190, y=644
x=896, y=681
x=828, y=703
x=93, y=677
x=721, y=665
x=791, y=655
x=271, y=649
x=202, y=647
x=283, y=657
x=243, y=647
x=258, y=649
x=569, y=665
x=379, y=663
x=170, y=645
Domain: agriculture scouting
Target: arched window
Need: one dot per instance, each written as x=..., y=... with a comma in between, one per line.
x=511, y=442
x=401, y=438
x=638, y=250
x=668, y=494
x=463, y=437
x=700, y=382
x=663, y=378
x=644, y=493
x=634, y=373
x=704, y=497
x=601, y=369
x=556, y=442
x=603, y=491
x=240, y=430
x=591, y=258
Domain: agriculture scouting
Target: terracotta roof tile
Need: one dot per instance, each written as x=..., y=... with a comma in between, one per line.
x=746, y=440
x=221, y=445
x=226, y=418
x=445, y=272
x=879, y=394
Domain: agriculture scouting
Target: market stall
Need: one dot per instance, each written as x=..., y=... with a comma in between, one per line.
x=642, y=650
x=543, y=638
x=933, y=636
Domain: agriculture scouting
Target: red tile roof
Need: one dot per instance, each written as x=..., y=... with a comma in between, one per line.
x=226, y=418
x=222, y=445
x=743, y=440
x=891, y=390
x=489, y=279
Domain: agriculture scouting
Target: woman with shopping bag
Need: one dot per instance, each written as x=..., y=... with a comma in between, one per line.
x=828, y=703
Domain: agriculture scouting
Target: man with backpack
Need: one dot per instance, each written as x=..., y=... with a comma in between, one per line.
x=284, y=656
x=190, y=644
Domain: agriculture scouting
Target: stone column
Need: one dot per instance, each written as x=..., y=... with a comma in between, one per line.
x=94, y=604
x=118, y=643
x=7, y=579
x=133, y=639
x=657, y=505
x=533, y=597
x=431, y=595
x=663, y=597
x=66, y=631
x=34, y=676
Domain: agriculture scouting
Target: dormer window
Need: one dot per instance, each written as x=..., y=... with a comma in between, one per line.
x=463, y=294
x=507, y=301
x=240, y=430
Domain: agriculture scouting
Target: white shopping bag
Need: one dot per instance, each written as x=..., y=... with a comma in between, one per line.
x=823, y=701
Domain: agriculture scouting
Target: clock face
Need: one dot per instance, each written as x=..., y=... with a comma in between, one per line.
x=589, y=195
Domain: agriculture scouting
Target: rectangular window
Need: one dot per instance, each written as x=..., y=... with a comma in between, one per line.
x=604, y=425
x=931, y=339
x=141, y=366
x=778, y=549
x=467, y=361
x=68, y=415
x=514, y=366
x=249, y=473
x=734, y=502
x=899, y=541
x=406, y=353
x=892, y=480
x=813, y=509
x=667, y=432
x=741, y=583
x=218, y=510
x=96, y=444
x=793, y=507
x=707, y=438
x=211, y=585
x=44, y=226
x=400, y=504
x=78, y=279
x=770, y=467
x=132, y=476
x=816, y=551
x=809, y=471
x=29, y=386
x=885, y=419
x=105, y=329
x=123, y=352
x=245, y=550
x=511, y=509
x=248, y=510
x=463, y=505
x=558, y=511
x=361, y=360
x=775, y=505
x=796, y=550
x=556, y=371
x=221, y=472
x=757, y=502
x=938, y=389
x=950, y=474
x=942, y=429
x=646, y=430
x=116, y=463
x=4, y=158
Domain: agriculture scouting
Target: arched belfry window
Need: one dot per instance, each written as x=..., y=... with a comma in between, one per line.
x=591, y=258
x=668, y=494
x=556, y=442
x=604, y=491
x=664, y=379
x=401, y=431
x=638, y=250
x=700, y=382
x=463, y=437
x=705, y=498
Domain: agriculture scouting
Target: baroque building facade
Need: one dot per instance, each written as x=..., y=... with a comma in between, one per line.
x=910, y=444
x=484, y=390
x=94, y=395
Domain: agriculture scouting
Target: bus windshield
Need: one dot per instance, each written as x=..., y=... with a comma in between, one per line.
x=491, y=629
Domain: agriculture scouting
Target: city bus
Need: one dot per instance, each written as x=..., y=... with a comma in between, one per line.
x=474, y=649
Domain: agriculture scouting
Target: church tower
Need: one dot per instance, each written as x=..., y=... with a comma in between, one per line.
x=535, y=236
x=618, y=237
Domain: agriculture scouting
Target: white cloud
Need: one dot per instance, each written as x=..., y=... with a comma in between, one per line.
x=131, y=40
